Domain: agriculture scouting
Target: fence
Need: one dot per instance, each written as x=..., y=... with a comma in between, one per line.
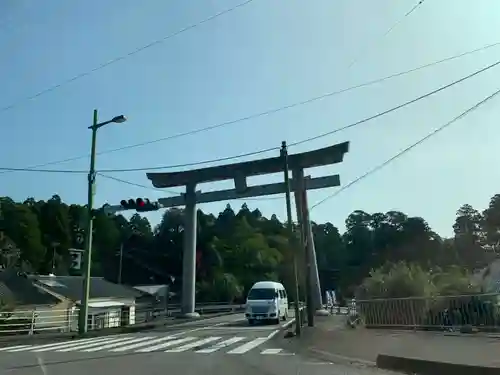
x=437, y=313
x=38, y=321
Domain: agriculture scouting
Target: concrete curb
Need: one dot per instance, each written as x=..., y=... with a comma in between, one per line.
x=28, y=339
x=339, y=359
x=428, y=367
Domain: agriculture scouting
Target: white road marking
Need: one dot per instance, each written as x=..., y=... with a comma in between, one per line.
x=141, y=344
x=271, y=351
x=70, y=344
x=193, y=344
x=248, y=346
x=115, y=344
x=173, y=343
x=89, y=345
x=220, y=345
x=15, y=347
x=272, y=334
x=165, y=345
x=204, y=328
x=240, y=328
x=31, y=347
x=41, y=364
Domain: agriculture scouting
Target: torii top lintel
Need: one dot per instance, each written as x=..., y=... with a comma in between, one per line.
x=320, y=157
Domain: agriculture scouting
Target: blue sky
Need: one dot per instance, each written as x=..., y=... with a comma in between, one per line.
x=261, y=56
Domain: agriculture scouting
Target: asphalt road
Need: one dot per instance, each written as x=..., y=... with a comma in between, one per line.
x=220, y=345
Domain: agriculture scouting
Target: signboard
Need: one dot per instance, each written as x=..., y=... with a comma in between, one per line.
x=76, y=259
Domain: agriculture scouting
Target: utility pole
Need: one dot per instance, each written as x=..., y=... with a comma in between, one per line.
x=291, y=236
x=300, y=202
x=54, y=253
x=84, y=306
x=120, y=266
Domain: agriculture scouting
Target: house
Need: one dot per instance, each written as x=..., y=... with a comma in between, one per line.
x=110, y=304
x=51, y=303
x=20, y=298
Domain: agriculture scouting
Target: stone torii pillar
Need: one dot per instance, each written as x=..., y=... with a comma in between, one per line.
x=189, y=254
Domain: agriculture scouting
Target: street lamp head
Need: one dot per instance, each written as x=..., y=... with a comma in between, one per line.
x=119, y=119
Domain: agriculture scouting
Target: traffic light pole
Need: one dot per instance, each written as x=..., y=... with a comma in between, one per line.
x=84, y=306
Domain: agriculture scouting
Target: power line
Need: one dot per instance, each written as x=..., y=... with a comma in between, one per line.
x=136, y=184
x=388, y=31
x=170, y=191
x=66, y=171
x=407, y=149
x=399, y=106
x=380, y=114
x=268, y=112
x=123, y=57
x=192, y=164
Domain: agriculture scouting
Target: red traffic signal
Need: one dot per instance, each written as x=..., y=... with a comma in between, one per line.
x=139, y=204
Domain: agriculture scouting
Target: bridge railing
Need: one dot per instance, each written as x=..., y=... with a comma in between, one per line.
x=57, y=320
x=46, y=320
x=479, y=311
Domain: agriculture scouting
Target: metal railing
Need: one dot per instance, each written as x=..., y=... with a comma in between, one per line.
x=481, y=312
x=38, y=320
x=57, y=320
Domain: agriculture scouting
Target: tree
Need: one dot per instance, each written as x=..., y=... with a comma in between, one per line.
x=237, y=248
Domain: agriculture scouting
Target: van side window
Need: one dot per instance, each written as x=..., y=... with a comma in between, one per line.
x=284, y=293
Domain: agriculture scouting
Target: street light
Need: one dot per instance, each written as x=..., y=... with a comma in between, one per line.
x=84, y=306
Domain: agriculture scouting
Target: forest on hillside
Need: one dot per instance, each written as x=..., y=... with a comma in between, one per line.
x=239, y=247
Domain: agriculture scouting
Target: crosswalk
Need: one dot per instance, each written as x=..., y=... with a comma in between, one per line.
x=145, y=344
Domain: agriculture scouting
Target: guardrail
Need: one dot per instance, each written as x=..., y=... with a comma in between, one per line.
x=481, y=312
x=57, y=320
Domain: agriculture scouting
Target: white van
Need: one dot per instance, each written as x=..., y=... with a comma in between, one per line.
x=266, y=300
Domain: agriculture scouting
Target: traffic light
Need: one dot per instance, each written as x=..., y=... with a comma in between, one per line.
x=140, y=205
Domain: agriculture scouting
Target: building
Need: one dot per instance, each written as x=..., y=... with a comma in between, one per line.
x=20, y=298
x=51, y=303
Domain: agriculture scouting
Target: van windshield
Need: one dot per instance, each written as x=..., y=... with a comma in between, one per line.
x=260, y=294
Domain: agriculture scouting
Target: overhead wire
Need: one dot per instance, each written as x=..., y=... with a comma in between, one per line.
x=256, y=115
x=170, y=191
x=136, y=184
x=407, y=149
x=264, y=113
x=379, y=114
x=383, y=113
x=127, y=55
x=351, y=125
x=384, y=35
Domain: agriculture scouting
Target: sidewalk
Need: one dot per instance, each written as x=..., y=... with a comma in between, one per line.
x=330, y=339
